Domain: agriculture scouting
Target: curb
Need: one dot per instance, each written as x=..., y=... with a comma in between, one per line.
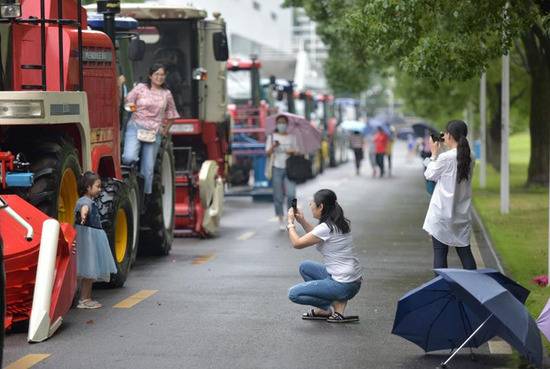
x=487, y=238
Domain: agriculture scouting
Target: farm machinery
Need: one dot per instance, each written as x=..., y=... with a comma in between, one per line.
x=59, y=117
x=194, y=51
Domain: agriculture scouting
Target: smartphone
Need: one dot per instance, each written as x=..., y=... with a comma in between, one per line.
x=295, y=205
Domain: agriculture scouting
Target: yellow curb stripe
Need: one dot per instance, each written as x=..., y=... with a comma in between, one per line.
x=245, y=236
x=498, y=347
x=202, y=259
x=28, y=361
x=135, y=299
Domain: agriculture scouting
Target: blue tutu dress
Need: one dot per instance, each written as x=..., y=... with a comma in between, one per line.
x=94, y=257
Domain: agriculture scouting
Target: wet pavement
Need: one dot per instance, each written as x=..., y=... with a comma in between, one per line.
x=222, y=303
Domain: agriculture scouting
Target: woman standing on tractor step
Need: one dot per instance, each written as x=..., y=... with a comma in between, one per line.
x=154, y=112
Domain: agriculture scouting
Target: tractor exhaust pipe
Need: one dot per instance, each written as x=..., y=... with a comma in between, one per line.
x=40, y=327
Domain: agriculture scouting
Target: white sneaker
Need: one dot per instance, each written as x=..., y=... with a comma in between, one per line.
x=282, y=226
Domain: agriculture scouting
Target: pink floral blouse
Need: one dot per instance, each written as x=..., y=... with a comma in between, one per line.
x=153, y=106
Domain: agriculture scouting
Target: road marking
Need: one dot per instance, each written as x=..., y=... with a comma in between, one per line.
x=246, y=235
x=201, y=259
x=477, y=254
x=135, y=299
x=499, y=347
x=28, y=361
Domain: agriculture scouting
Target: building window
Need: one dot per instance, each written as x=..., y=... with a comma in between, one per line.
x=256, y=5
x=274, y=16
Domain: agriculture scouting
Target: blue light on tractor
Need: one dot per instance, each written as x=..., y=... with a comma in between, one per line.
x=95, y=21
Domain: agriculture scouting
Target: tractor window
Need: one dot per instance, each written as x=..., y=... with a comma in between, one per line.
x=239, y=86
x=173, y=44
x=300, y=107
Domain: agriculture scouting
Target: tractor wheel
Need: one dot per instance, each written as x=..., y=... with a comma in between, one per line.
x=54, y=162
x=135, y=194
x=157, y=222
x=115, y=208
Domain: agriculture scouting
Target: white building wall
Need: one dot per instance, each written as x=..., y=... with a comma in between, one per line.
x=254, y=26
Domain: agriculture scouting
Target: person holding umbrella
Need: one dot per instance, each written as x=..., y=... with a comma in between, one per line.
x=448, y=218
x=357, y=142
x=279, y=146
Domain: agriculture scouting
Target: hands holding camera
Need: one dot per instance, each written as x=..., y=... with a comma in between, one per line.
x=435, y=144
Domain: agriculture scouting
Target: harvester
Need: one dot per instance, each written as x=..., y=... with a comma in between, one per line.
x=59, y=116
x=248, y=112
x=194, y=51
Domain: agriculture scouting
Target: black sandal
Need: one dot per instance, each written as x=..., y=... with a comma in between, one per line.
x=339, y=318
x=310, y=315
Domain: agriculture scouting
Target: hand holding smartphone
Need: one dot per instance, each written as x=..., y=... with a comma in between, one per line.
x=295, y=206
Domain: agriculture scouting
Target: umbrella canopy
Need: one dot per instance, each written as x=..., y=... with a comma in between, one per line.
x=543, y=320
x=353, y=125
x=308, y=137
x=448, y=309
x=423, y=130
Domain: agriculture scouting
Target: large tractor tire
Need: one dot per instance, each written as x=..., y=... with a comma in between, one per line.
x=211, y=196
x=54, y=162
x=135, y=191
x=115, y=208
x=157, y=221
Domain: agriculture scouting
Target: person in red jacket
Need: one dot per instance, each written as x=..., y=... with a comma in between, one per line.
x=381, y=144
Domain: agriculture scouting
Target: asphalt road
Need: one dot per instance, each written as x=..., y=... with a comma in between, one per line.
x=222, y=303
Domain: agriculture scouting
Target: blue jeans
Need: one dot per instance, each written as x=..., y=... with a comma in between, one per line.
x=319, y=289
x=281, y=186
x=134, y=150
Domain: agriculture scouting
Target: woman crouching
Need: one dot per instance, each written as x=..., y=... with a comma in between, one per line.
x=327, y=286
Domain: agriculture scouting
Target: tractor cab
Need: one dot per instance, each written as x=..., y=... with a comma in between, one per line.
x=279, y=94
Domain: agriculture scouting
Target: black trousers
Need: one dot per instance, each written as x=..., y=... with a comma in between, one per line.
x=464, y=253
x=358, y=157
x=380, y=163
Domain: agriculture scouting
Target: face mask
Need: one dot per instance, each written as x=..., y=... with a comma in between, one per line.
x=281, y=127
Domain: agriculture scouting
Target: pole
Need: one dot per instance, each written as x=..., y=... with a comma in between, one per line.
x=483, y=129
x=444, y=364
x=504, y=161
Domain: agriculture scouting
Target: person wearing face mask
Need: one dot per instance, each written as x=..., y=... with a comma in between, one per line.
x=281, y=145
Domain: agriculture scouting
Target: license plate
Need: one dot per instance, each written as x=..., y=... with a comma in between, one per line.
x=182, y=128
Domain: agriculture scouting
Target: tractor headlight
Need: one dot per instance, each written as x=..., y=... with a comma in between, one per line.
x=10, y=10
x=21, y=109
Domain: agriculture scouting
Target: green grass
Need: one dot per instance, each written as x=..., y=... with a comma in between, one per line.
x=521, y=237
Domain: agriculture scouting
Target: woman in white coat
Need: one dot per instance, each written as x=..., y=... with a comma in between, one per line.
x=448, y=220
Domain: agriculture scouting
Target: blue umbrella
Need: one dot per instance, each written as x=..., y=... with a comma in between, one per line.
x=470, y=307
x=353, y=125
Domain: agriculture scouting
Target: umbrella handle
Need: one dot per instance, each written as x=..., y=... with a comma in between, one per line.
x=444, y=364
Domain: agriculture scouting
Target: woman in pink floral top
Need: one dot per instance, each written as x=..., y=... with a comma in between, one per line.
x=153, y=110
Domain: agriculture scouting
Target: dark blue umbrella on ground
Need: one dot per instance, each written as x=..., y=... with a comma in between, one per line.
x=468, y=307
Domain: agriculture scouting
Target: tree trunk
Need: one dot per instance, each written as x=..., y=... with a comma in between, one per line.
x=494, y=138
x=539, y=119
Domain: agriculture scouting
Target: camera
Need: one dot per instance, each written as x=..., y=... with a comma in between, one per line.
x=438, y=137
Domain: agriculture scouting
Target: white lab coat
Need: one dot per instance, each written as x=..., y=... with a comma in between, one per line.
x=449, y=215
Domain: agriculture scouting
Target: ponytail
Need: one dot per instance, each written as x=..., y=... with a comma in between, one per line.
x=464, y=160
x=332, y=213
x=459, y=130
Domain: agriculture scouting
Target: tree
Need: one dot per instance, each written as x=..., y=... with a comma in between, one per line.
x=450, y=40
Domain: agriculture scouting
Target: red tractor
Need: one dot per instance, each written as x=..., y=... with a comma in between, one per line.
x=194, y=51
x=59, y=116
x=248, y=111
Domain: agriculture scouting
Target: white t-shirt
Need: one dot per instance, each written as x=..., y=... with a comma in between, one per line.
x=338, y=255
x=286, y=142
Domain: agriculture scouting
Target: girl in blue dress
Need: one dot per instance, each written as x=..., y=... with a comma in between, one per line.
x=95, y=261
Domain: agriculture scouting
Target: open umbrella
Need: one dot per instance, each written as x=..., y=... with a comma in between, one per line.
x=353, y=125
x=422, y=130
x=308, y=137
x=469, y=306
